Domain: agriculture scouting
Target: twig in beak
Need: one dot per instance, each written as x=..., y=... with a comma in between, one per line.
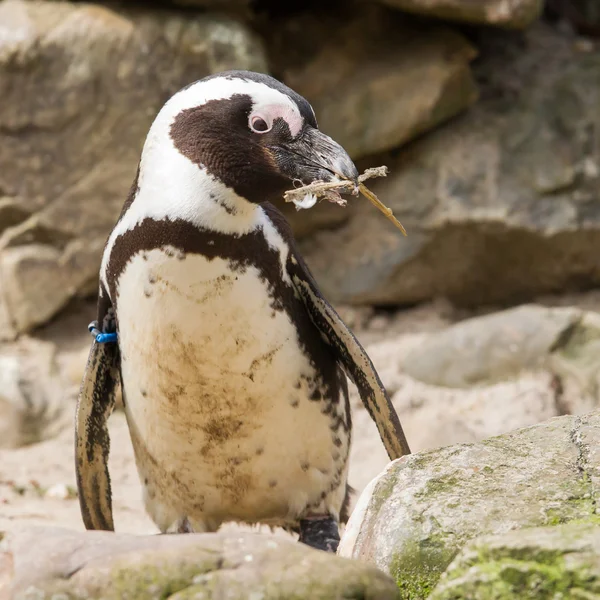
x=332, y=190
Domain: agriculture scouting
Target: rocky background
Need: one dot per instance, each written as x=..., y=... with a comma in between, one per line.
x=484, y=322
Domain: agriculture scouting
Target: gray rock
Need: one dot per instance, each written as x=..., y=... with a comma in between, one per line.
x=58, y=563
x=583, y=15
x=375, y=80
x=32, y=406
x=540, y=563
x=481, y=377
x=500, y=205
x=515, y=14
x=575, y=364
x=433, y=416
x=413, y=519
x=491, y=348
x=80, y=86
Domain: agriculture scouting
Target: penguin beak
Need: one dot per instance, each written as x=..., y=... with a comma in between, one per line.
x=315, y=156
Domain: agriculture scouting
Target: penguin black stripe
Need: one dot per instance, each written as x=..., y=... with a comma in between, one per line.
x=252, y=250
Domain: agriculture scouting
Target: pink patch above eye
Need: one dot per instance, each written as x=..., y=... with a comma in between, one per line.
x=278, y=111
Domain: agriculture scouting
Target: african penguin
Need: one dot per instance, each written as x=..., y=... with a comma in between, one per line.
x=231, y=362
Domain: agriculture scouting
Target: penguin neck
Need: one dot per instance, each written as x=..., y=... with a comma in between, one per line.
x=171, y=186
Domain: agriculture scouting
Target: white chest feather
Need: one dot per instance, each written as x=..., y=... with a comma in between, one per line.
x=217, y=396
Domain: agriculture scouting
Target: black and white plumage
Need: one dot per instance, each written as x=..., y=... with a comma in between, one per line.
x=231, y=361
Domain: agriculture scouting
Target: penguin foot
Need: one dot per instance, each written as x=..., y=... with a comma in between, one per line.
x=320, y=532
x=184, y=526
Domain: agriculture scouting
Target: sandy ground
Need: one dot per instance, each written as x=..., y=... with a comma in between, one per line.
x=36, y=482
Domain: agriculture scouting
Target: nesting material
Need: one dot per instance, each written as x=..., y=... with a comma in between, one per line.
x=306, y=196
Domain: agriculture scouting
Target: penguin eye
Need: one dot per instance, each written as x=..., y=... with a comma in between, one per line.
x=259, y=125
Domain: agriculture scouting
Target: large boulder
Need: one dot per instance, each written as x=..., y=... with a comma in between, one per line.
x=53, y=563
x=515, y=14
x=413, y=519
x=375, y=79
x=80, y=85
x=500, y=205
x=539, y=563
x=494, y=347
x=32, y=403
x=480, y=377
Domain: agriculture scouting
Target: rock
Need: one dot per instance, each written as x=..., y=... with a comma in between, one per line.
x=575, y=363
x=501, y=205
x=374, y=79
x=491, y=348
x=80, y=86
x=480, y=377
x=49, y=562
x=413, y=519
x=434, y=416
x=515, y=14
x=583, y=15
x=32, y=406
x=538, y=563
x=35, y=283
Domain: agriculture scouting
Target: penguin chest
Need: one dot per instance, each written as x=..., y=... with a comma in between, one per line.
x=228, y=415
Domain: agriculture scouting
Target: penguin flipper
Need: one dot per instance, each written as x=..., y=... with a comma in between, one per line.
x=94, y=405
x=350, y=354
x=353, y=358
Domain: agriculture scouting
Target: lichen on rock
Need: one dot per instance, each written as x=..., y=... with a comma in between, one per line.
x=540, y=563
x=52, y=563
x=418, y=515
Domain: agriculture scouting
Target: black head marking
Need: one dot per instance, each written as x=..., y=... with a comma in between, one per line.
x=257, y=149
x=216, y=136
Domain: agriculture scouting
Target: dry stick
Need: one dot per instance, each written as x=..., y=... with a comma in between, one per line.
x=331, y=191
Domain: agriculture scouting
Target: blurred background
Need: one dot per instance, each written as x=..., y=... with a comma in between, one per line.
x=487, y=113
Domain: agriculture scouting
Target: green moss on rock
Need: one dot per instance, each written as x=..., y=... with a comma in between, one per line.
x=538, y=563
x=421, y=564
x=436, y=485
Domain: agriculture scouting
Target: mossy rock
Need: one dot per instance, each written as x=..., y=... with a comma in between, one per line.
x=423, y=509
x=69, y=565
x=542, y=563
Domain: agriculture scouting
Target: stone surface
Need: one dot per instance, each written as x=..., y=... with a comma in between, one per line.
x=483, y=376
x=583, y=15
x=503, y=13
x=414, y=518
x=374, y=79
x=500, y=205
x=434, y=416
x=48, y=562
x=80, y=86
x=575, y=363
x=493, y=347
x=540, y=563
x=32, y=405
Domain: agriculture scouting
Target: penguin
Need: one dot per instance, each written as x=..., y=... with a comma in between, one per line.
x=232, y=364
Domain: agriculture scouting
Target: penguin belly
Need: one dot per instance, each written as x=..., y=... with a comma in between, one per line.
x=220, y=398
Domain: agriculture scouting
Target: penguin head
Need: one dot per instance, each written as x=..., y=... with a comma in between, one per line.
x=249, y=132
